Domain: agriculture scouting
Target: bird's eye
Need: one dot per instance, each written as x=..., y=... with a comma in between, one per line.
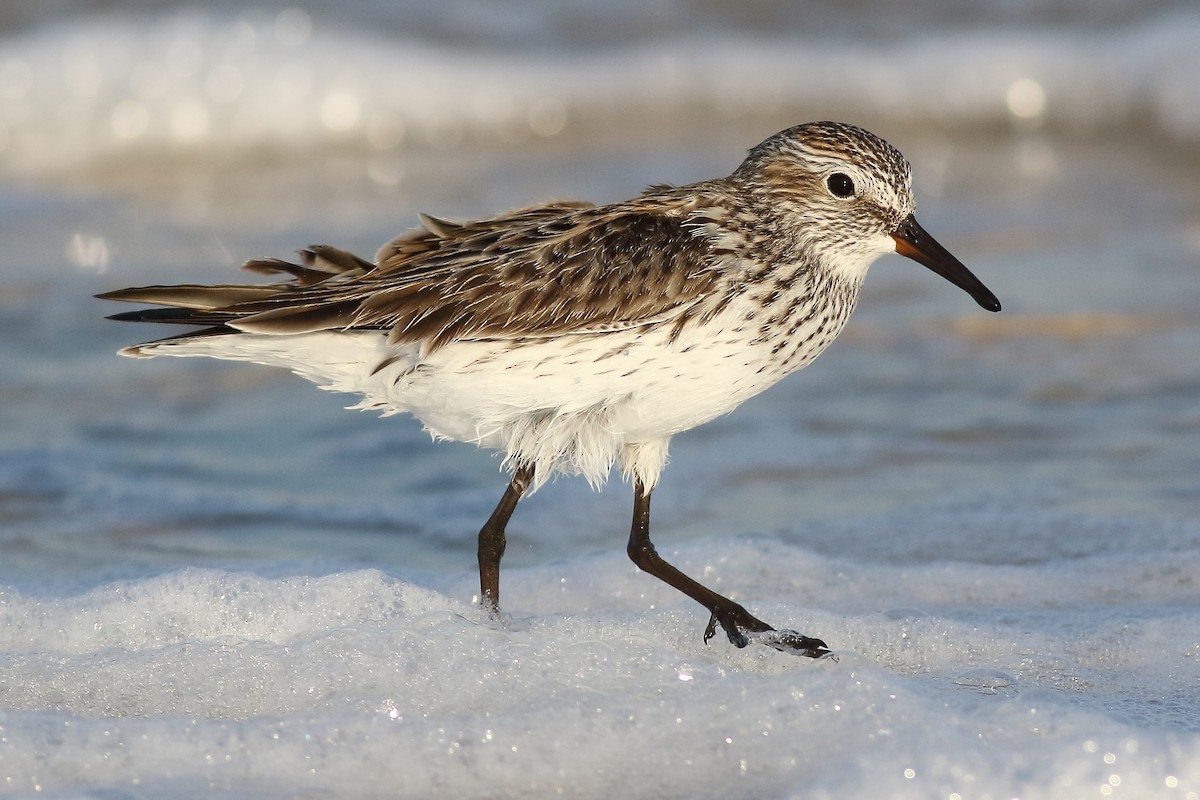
x=840, y=185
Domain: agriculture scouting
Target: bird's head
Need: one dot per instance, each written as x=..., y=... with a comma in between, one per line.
x=844, y=196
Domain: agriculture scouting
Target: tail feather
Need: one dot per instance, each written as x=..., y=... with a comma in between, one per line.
x=174, y=316
x=271, y=309
x=202, y=298
x=144, y=350
x=300, y=319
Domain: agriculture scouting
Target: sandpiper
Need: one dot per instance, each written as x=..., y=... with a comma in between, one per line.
x=574, y=337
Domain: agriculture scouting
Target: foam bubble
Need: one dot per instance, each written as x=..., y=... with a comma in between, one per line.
x=358, y=683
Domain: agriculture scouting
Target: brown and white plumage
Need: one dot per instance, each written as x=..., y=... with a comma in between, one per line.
x=572, y=336
x=561, y=268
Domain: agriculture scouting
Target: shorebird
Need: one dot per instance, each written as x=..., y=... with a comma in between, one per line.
x=573, y=337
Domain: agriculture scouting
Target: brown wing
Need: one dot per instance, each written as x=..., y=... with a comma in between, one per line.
x=541, y=271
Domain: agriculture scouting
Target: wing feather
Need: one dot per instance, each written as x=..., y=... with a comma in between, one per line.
x=545, y=270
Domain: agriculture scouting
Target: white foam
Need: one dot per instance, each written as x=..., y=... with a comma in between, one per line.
x=359, y=684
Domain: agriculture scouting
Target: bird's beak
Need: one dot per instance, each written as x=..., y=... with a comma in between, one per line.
x=913, y=242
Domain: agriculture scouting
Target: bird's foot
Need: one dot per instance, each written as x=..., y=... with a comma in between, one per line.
x=731, y=628
x=793, y=643
x=742, y=628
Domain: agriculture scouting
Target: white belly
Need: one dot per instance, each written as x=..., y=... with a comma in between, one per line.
x=572, y=404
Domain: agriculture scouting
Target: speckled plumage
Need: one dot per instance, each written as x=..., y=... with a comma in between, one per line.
x=571, y=336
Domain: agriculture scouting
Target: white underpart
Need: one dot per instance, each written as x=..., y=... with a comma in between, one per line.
x=574, y=404
x=852, y=260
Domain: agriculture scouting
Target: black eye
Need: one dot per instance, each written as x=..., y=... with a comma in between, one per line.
x=840, y=184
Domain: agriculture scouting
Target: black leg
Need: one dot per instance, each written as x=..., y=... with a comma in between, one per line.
x=492, y=539
x=733, y=619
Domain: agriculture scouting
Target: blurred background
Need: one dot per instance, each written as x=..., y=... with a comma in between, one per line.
x=1055, y=146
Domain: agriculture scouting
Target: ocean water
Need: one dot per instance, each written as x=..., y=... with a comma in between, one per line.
x=216, y=582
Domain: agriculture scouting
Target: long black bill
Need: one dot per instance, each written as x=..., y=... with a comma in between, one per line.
x=913, y=242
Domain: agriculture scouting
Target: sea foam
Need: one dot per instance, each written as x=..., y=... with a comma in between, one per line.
x=358, y=683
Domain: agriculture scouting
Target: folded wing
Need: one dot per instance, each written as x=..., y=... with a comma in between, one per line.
x=542, y=271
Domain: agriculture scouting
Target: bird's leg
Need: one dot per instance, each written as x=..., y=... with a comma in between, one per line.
x=736, y=621
x=492, y=539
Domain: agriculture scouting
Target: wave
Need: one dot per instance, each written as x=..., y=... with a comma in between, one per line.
x=187, y=84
